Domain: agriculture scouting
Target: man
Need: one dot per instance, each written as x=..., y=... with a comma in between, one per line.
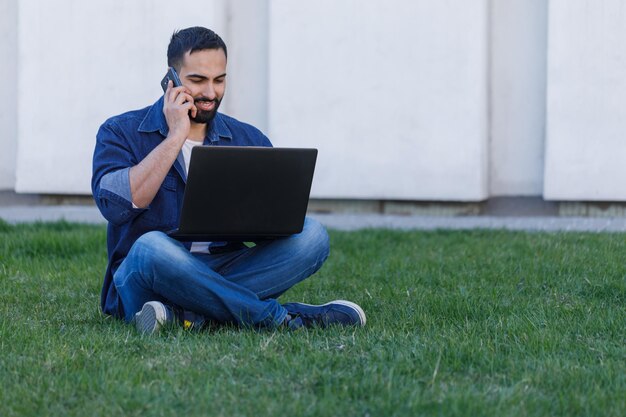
x=140, y=164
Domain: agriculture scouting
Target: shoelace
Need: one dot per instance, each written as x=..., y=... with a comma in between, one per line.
x=308, y=318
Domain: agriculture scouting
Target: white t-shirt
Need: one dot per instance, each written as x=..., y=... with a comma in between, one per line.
x=186, y=150
x=197, y=247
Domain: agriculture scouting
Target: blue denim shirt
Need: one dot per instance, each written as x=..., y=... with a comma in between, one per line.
x=122, y=142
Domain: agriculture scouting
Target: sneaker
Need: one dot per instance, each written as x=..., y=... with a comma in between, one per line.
x=340, y=312
x=152, y=317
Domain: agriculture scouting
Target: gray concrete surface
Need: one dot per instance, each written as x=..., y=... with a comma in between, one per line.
x=552, y=224
x=343, y=221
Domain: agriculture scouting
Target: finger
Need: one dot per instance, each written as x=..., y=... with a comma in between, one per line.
x=184, y=98
x=194, y=110
x=175, y=94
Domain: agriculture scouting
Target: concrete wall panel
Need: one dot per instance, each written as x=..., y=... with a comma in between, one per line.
x=247, y=31
x=80, y=63
x=586, y=106
x=518, y=96
x=8, y=93
x=394, y=95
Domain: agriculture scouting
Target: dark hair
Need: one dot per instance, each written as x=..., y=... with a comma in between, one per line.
x=191, y=40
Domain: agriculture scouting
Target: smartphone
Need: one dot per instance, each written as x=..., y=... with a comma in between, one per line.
x=171, y=75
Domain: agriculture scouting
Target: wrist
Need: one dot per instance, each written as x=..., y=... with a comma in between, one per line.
x=176, y=138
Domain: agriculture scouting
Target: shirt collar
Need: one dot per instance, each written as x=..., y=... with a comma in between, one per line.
x=154, y=121
x=218, y=129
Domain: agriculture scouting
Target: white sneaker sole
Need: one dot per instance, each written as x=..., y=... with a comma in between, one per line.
x=151, y=317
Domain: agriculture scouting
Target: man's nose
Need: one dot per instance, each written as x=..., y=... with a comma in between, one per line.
x=210, y=92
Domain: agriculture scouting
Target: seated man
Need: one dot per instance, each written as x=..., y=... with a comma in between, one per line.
x=139, y=171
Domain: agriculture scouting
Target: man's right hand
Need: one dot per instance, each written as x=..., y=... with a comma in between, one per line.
x=178, y=105
x=146, y=177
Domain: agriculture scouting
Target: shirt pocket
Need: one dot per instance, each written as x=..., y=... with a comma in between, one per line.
x=170, y=182
x=163, y=211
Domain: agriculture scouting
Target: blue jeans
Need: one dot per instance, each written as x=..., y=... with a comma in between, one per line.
x=239, y=287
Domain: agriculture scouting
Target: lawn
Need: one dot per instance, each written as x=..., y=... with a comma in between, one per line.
x=459, y=324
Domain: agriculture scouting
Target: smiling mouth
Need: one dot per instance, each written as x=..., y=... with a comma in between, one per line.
x=205, y=105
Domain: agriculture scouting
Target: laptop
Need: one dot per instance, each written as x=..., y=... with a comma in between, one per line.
x=245, y=193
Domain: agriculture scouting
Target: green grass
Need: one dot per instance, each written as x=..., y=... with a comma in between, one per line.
x=459, y=323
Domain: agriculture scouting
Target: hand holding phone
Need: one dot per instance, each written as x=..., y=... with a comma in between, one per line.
x=177, y=107
x=171, y=75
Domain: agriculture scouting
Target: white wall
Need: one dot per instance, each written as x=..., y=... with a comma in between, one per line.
x=586, y=126
x=418, y=100
x=80, y=63
x=394, y=95
x=518, y=96
x=247, y=42
x=8, y=93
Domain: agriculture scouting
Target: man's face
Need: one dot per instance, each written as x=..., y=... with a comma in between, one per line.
x=204, y=75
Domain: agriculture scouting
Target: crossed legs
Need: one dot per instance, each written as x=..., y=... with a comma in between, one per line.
x=233, y=287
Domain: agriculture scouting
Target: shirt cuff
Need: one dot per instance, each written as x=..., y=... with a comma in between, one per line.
x=118, y=182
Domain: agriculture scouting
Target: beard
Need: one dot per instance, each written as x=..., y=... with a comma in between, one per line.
x=203, y=116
